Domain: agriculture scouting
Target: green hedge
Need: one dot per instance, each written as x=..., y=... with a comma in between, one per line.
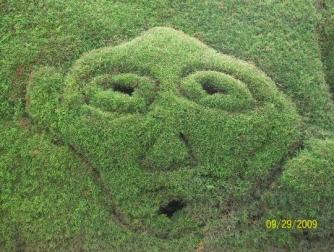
x=50, y=201
x=135, y=107
x=308, y=182
x=305, y=192
x=145, y=115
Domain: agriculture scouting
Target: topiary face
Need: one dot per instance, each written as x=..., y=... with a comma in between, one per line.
x=170, y=125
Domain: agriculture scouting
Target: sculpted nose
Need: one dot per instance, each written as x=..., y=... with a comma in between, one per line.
x=170, y=151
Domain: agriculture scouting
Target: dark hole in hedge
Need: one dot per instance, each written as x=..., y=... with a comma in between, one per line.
x=210, y=89
x=123, y=89
x=171, y=207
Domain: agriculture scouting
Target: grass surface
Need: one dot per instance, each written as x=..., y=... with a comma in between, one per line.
x=326, y=40
x=115, y=139
x=165, y=129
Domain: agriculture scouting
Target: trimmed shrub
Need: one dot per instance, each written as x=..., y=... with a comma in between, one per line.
x=326, y=39
x=309, y=183
x=51, y=201
x=169, y=124
x=305, y=190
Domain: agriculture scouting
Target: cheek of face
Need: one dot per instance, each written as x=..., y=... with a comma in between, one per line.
x=240, y=125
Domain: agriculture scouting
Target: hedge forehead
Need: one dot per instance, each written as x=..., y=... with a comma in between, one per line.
x=160, y=52
x=168, y=122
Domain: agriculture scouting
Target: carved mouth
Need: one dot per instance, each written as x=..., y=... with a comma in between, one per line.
x=172, y=207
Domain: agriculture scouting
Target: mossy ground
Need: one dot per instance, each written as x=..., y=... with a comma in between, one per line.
x=58, y=190
x=326, y=40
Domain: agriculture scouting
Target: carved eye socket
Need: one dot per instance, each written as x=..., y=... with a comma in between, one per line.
x=124, y=93
x=217, y=90
x=209, y=85
x=123, y=89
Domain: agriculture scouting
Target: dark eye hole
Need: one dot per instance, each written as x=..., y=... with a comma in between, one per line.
x=211, y=89
x=123, y=89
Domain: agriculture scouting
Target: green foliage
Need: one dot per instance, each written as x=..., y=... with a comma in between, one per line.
x=326, y=39
x=217, y=90
x=280, y=38
x=124, y=93
x=305, y=192
x=33, y=211
x=42, y=100
x=50, y=201
x=5, y=107
x=308, y=184
x=174, y=142
x=136, y=126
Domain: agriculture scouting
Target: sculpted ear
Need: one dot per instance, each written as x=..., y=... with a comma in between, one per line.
x=43, y=96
